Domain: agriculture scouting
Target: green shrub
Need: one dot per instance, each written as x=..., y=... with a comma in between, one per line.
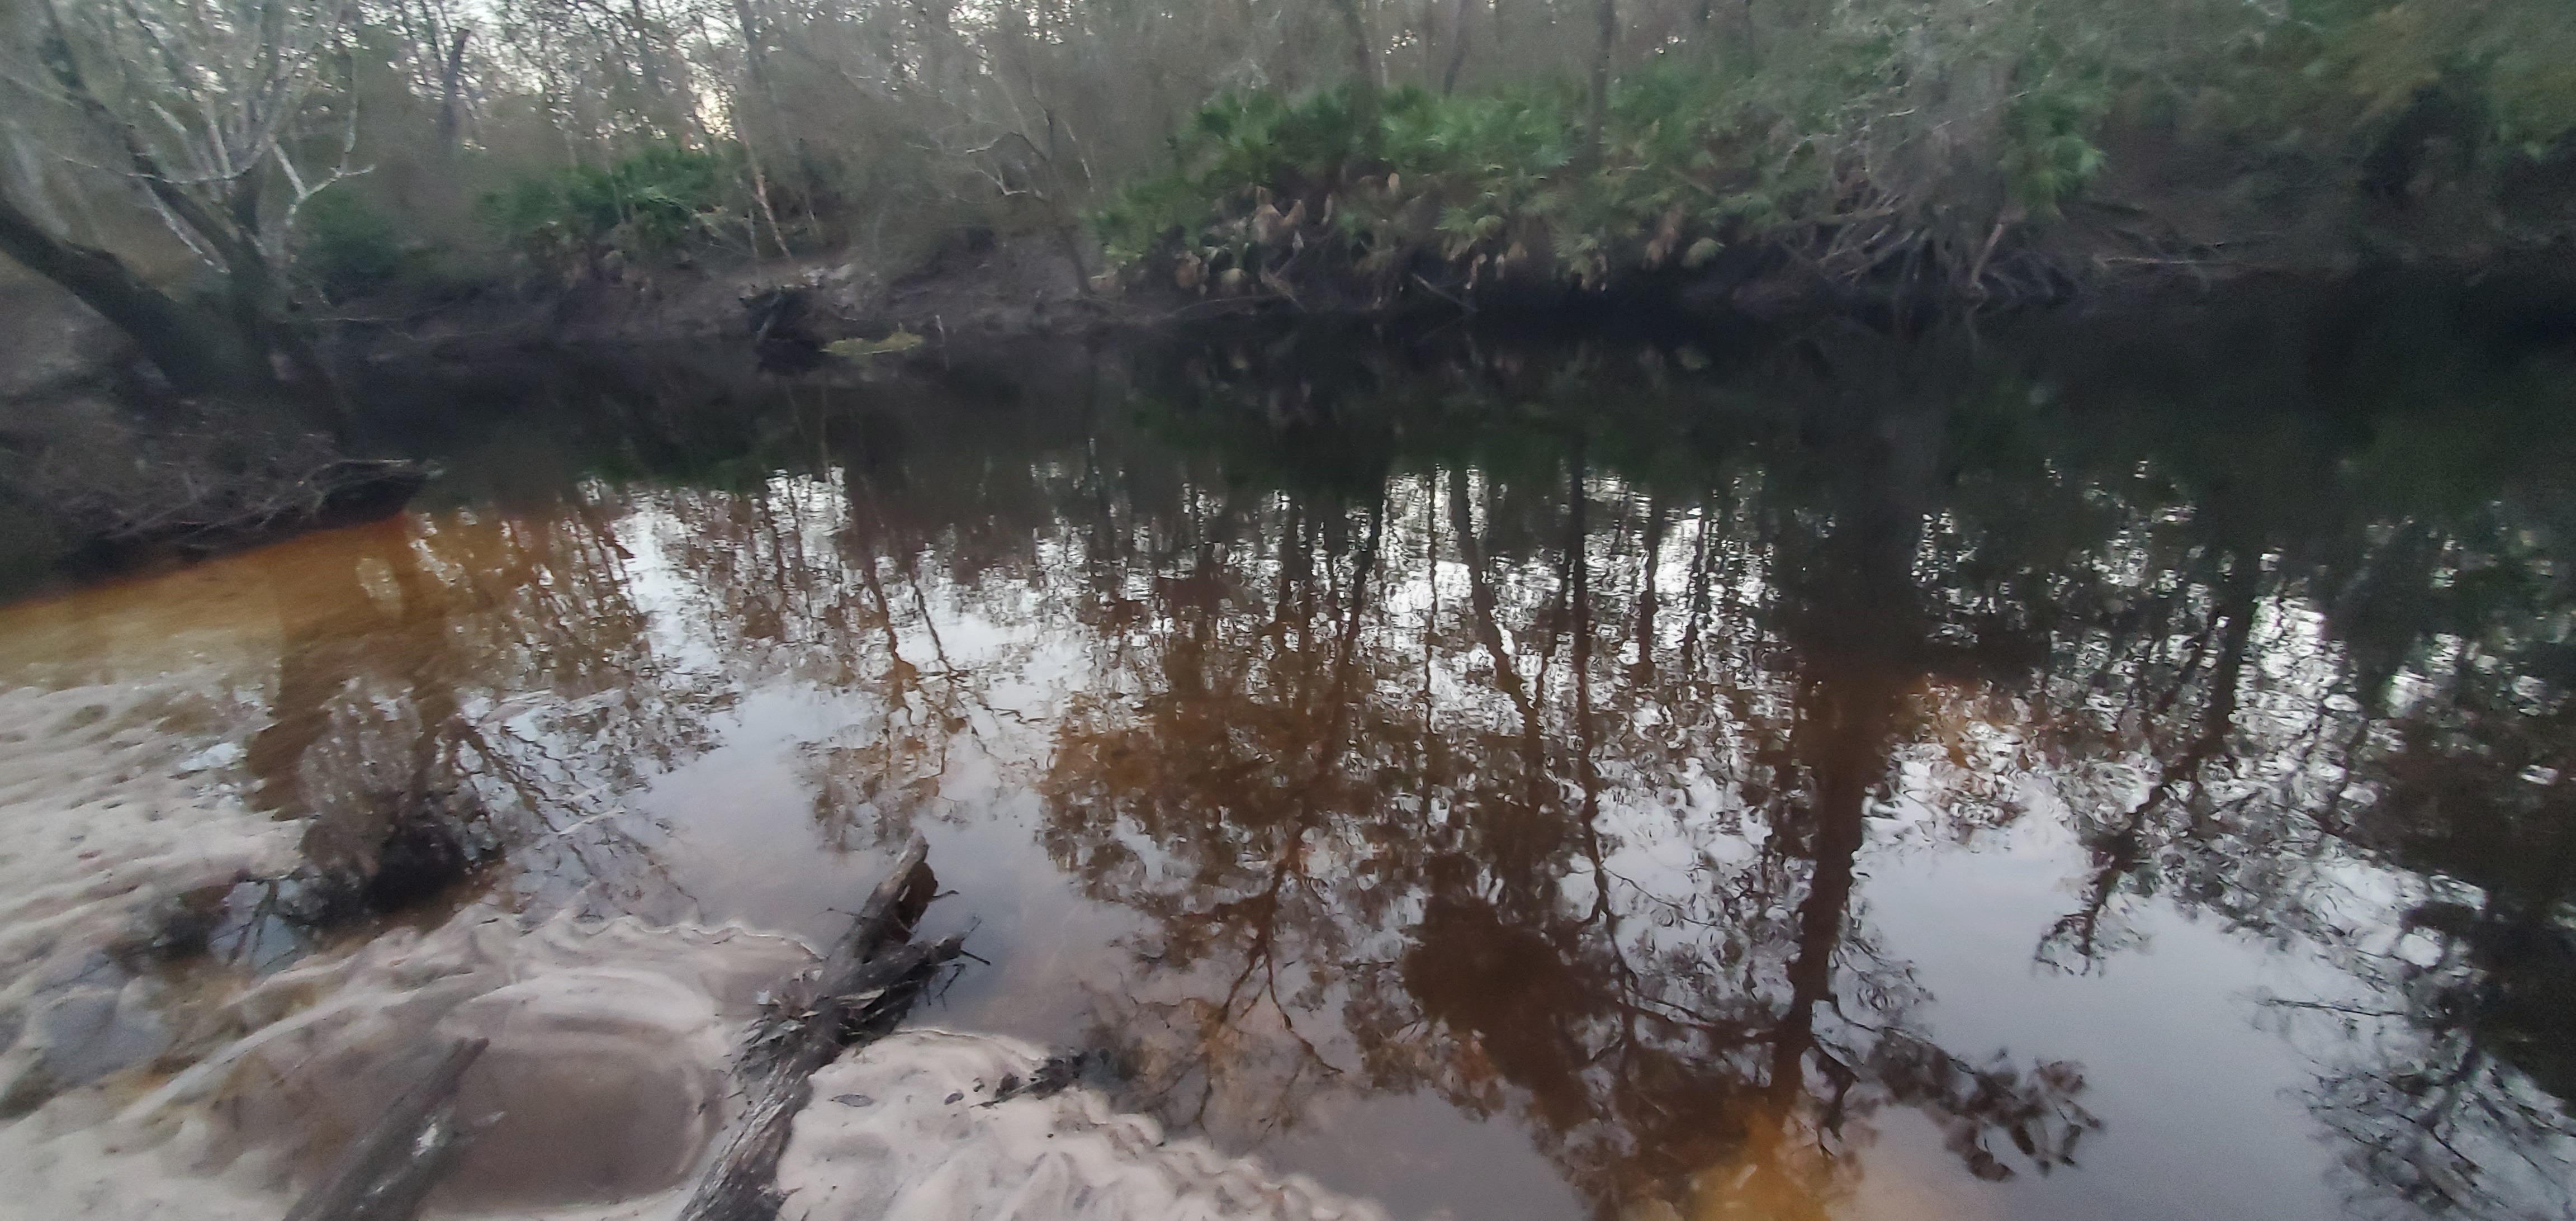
x=2517, y=58
x=1471, y=176
x=345, y=244
x=2047, y=155
x=651, y=203
x=1923, y=127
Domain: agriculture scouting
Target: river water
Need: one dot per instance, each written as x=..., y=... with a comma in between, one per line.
x=2113, y=768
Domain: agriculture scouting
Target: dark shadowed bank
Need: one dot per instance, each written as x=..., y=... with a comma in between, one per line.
x=105, y=467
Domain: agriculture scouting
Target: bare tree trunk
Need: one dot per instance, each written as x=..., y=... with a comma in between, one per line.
x=198, y=352
x=755, y=55
x=209, y=352
x=1457, y=47
x=1602, y=51
x=645, y=61
x=649, y=63
x=451, y=79
x=770, y=117
x=939, y=61
x=1364, y=83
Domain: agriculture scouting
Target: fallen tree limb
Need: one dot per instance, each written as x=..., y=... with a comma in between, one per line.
x=861, y=991
x=385, y=1174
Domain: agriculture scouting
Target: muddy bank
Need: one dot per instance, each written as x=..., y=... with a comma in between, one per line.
x=104, y=469
x=978, y=291
x=974, y=285
x=101, y=481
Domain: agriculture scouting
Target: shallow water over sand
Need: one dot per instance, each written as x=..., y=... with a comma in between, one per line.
x=1858, y=779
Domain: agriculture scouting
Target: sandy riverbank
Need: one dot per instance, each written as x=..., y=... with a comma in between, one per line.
x=151, y=1084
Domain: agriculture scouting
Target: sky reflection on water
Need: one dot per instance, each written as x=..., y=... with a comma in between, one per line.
x=1865, y=779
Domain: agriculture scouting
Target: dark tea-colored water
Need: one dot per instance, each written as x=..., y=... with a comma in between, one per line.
x=2107, y=769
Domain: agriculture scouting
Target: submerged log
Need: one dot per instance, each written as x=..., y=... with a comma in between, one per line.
x=385, y=1174
x=863, y=988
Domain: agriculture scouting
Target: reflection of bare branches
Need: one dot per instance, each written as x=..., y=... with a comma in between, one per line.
x=1551, y=788
x=2120, y=848
x=505, y=657
x=2039, y=1116
x=1643, y=1029
x=2435, y=1115
x=2305, y=782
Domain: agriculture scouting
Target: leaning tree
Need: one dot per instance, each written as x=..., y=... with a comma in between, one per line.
x=222, y=118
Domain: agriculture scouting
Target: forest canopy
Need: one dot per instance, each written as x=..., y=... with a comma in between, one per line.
x=270, y=156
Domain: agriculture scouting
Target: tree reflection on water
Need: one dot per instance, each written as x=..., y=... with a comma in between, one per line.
x=1516, y=725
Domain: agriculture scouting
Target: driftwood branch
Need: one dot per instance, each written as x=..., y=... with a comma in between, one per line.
x=862, y=989
x=385, y=1174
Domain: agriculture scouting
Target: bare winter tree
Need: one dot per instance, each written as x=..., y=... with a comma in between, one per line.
x=1605, y=45
x=224, y=118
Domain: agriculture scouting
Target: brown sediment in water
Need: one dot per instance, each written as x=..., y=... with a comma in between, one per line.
x=1472, y=790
